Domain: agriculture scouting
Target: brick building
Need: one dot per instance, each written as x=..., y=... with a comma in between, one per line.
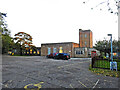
x=85, y=38
x=74, y=49
x=63, y=47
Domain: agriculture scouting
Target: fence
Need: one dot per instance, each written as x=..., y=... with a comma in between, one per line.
x=104, y=63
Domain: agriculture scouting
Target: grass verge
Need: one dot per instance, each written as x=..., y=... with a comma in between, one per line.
x=106, y=64
x=105, y=72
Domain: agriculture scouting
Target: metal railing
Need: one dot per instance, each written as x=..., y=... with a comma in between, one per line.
x=98, y=62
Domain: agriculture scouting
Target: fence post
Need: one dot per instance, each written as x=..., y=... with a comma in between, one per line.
x=92, y=62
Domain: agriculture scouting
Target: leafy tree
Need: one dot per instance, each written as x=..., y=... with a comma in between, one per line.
x=6, y=41
x=118, y=46
x=105, y=46
x=24, y=40
x=5, y=37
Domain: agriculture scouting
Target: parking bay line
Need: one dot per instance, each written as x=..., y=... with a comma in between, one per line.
x=96, y=84
x=86, y=86
x=70, y=64
x=71, y=86
x=82, y=84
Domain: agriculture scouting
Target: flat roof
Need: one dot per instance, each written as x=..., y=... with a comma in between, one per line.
x=80, y=30
x=58, y=43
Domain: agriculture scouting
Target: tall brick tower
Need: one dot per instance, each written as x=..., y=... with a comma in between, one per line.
x=85, y=38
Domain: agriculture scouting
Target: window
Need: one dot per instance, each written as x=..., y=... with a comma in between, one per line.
x=77, y=52
x=49, y=51
x=85, y=35
x=81, y=35
x=54, y=50
x=80, y=52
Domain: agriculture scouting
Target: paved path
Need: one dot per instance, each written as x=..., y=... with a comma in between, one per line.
x=37, y=71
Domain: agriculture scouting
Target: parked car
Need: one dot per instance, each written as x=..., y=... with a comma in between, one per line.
x=51, y=55
x=64, y=56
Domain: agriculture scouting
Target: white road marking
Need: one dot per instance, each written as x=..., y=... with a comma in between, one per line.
x=71, y=86
x=96, y=83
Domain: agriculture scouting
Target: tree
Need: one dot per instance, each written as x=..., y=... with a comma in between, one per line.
x=5, y=37
x=105, y=46
x=24, y=39
x=112, y=5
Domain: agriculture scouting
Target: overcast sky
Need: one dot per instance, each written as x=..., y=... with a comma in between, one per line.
x=51, y=21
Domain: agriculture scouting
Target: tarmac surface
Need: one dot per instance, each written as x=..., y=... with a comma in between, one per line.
x=40, y=72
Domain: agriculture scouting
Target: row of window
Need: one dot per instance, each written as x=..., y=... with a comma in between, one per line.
x=85, y=35
x=55, y=50
x=80, y=52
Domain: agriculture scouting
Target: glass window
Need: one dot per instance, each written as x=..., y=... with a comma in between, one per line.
x=54, y=50
x=80, y=52
x=85, y=43
x=77, y=52
x=49, y=51
x=85, y=35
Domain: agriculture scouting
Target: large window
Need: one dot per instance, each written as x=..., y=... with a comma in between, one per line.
x=49, y=50
x=54, y=50
x=80, y=52
x=77, y=52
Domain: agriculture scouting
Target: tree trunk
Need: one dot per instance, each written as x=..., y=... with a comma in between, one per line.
x=20, y=50
x=105, y=53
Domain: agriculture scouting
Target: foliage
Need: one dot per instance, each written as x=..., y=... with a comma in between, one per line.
x=24, y=40
x=118, y=44
x=6, y=41
x=4, y=34
x=105, y=46
x=112, y=5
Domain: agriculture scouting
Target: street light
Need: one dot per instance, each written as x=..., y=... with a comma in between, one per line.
x=111, y=47
x=111, y=50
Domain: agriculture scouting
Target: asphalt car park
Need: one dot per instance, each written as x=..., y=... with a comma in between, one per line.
x=41, y=72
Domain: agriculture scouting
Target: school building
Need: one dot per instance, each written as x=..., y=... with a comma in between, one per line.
x=81, y=49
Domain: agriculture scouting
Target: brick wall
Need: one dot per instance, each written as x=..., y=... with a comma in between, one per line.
x=66, y=47
x=85, y=38
x=77, y=52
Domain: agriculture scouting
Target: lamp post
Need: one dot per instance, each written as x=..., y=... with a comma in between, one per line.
x=111, y=51
x=111, y=47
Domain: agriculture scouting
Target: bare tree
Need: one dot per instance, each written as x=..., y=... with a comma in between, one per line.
x=113, y=6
